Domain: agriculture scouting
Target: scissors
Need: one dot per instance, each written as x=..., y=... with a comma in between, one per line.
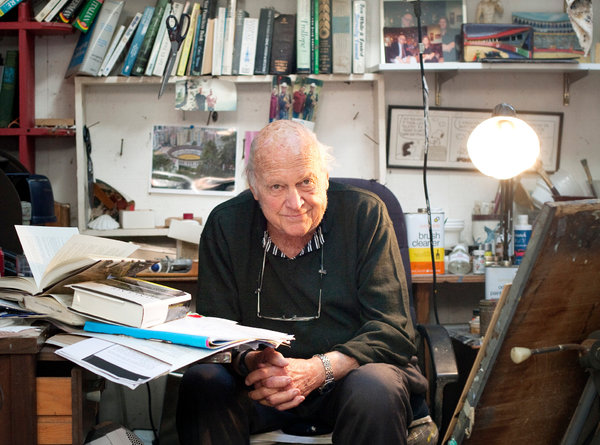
x=177, y=30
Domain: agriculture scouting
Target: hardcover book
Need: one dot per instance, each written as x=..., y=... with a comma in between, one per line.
x=54, y=12
x=7, y=93
x=198, y=55
x=240, y=15
x=42, y=13
x=86, y=16
x=138, y=38
x=8, y=5
x=219, y=41
x=70, y=10
x=282, y=52
x=165, y=46
x=139, y=67
x=186, y=46
x=120, y=49
x=248, y=49
x=325, y=39
x=130, y=301
x=341, y=28
x=92, y=47
x=303, y=40
x=264, y=41
x=359, y=36
x=228, y=41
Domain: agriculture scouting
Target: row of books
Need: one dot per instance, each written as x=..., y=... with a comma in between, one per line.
x=8, y=83
x=323, y=37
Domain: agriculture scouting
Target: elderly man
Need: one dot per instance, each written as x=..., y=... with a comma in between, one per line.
x=318, y=260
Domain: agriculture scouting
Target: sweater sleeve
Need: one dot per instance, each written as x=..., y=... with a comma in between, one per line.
x=386, y=333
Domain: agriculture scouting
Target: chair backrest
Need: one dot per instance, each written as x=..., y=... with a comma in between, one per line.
x=396, y=215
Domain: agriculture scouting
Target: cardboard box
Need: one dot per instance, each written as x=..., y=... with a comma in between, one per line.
x=495, y=279
x=417, y=230
x=137, y=219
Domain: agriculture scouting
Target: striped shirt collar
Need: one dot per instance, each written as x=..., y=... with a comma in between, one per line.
x=315, y=243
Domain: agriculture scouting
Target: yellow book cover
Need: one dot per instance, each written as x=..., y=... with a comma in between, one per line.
x=187, y=42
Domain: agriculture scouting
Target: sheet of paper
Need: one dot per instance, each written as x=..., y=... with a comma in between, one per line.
x=115, y=362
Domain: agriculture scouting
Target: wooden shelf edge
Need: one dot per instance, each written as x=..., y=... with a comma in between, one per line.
x=523, y=67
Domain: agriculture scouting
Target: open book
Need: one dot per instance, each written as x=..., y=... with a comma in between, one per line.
x=58, y=256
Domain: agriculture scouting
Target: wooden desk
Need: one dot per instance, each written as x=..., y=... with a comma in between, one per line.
x=423, y=292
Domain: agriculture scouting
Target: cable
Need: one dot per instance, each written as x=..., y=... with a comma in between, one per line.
x=154, y=431
x=425, y=89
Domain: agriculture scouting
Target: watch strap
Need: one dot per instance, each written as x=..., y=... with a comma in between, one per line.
x=329, y=378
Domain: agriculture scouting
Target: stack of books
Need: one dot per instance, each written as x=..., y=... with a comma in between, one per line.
x=86, y=286
x=322, y=37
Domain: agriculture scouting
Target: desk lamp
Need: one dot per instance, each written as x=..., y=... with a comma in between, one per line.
x=502, y=147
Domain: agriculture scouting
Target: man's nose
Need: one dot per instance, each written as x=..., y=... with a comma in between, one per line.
x=293, y=198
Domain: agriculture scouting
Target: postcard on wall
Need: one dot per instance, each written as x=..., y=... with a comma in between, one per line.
x=441, y=22
x=297, y=100
x=193, y=160
x=198, y=94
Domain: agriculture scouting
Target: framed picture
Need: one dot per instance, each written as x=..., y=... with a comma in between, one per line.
x=449, y=130
x=193, y=160
x=441, y=22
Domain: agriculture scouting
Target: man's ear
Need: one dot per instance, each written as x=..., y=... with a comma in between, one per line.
x=253, y=192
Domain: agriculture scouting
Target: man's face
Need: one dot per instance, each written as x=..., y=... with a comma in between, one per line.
x=291, y=188
x=402, y=39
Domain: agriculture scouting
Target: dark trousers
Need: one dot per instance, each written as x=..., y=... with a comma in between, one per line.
x=371, y=405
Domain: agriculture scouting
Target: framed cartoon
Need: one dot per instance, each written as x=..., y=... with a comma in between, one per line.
x=440, y=30
x=449, y=130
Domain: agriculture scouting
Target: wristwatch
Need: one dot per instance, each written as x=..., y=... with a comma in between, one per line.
x=329, y=380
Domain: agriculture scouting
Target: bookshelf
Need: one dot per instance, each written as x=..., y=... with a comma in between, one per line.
x=26, y=29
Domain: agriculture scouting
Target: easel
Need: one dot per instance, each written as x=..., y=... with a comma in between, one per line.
x=554, y=299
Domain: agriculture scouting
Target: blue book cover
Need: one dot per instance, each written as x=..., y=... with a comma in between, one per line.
x=8, y=5
x=137, y=41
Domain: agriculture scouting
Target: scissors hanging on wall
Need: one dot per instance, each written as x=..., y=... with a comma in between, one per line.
x=177, y=30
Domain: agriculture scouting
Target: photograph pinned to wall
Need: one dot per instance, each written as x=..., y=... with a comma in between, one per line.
x=248, y=138
x=193, y=160
x=441, y=23
x=281, y=98
x=305, y=100
x=449, y=130
x=200, y=94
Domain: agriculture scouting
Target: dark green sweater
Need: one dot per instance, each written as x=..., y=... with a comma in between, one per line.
x=365, y=309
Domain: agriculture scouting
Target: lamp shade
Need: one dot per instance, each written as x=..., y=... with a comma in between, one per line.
x=503, y=147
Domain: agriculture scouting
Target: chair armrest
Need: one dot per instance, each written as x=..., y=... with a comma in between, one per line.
x=442, y=363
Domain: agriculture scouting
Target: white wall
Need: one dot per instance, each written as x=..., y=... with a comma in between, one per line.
x=351, y=134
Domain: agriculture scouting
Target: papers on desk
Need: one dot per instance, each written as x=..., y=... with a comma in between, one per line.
x=133, y=361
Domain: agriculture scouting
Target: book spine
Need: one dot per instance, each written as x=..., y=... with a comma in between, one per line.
x=69, y=11
x=162, y=30
x=194, y=47
x=240, y=15
x=359, y=18
x=209, y=38
x=8, y=5
x=165, y=47
x=303, y=37
x=248, y=49
x=79, y=53
x=341, y=28
x=282, y=54
x=139, y=67
x=229, y=39
x=196, y=69
x=104, y=28
x=86, y=16
x=111, y=49
x=60, y=5
x=40, y=16
x=7, y=94
x=219, y=37
x=138, y=38
x=187, y=9
x=325, y=44
x=264, y=41
x=186, y=46
x=314, y=36
x=122, y=43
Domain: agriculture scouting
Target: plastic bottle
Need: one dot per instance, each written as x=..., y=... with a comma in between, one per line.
x=479, y=261
x=459, y=261
x=522, y=236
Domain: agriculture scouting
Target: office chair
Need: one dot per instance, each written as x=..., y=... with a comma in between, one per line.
x=436, y=354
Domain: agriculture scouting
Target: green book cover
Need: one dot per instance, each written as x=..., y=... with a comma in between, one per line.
x=139, y=68
x=7, y=94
